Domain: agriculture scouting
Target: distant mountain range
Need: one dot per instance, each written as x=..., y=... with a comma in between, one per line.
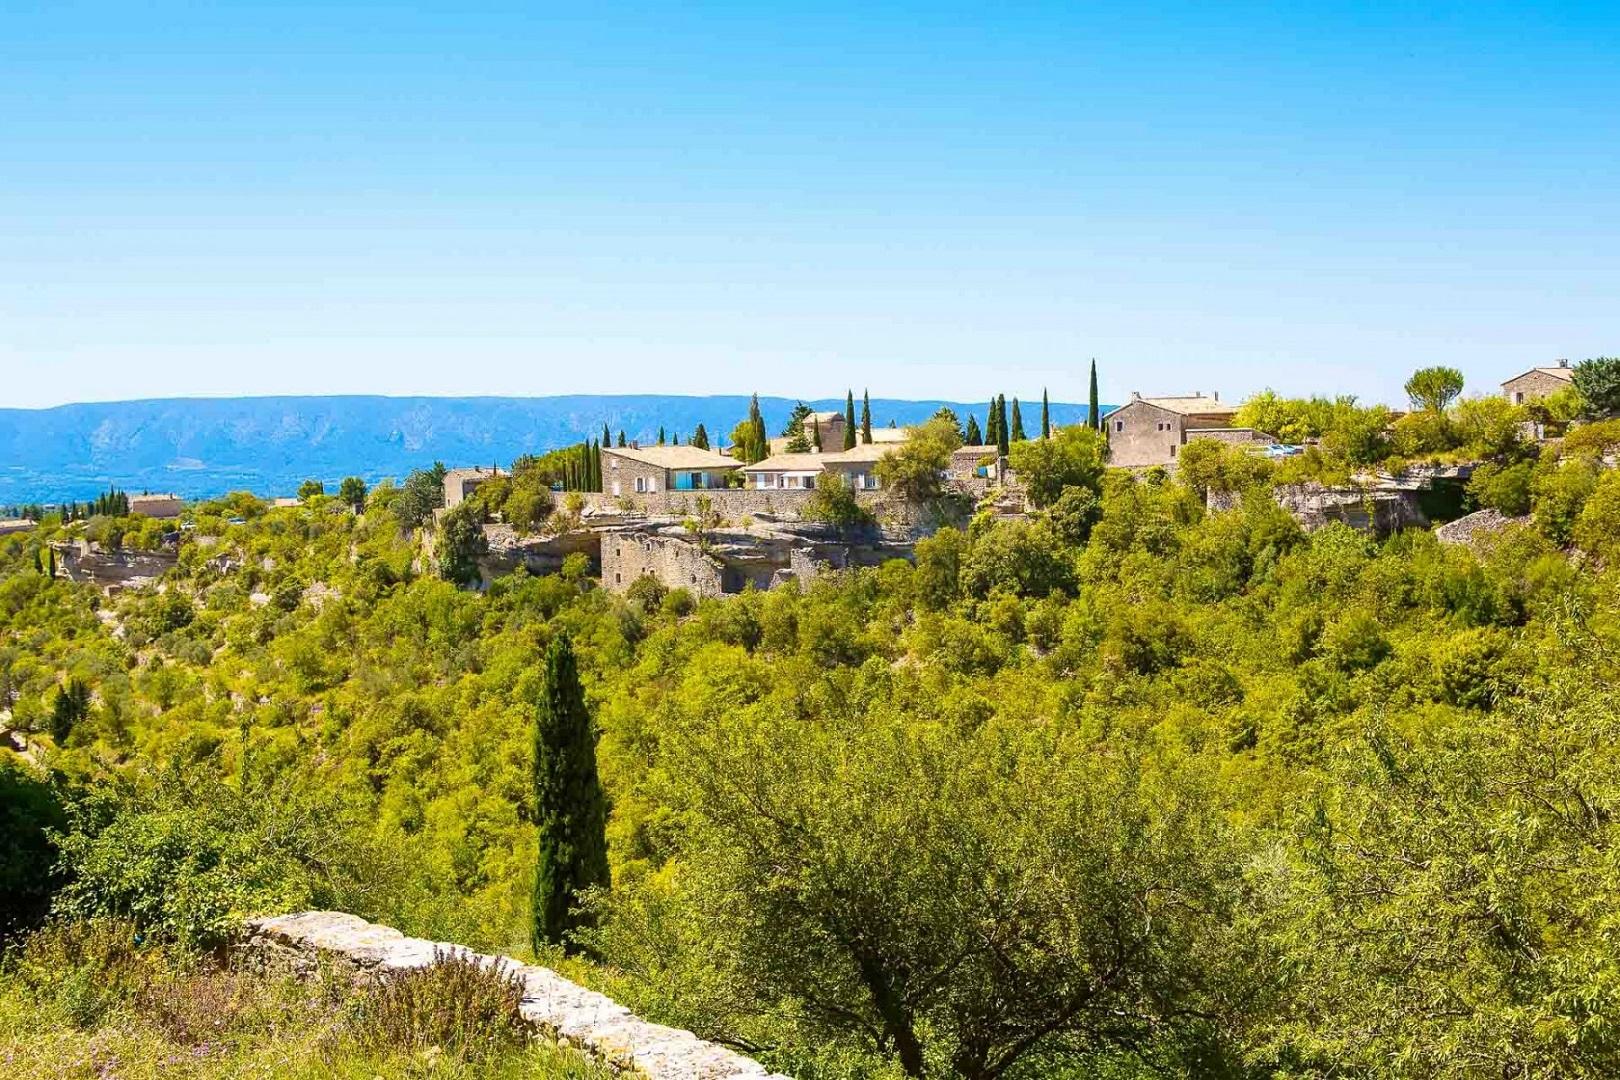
x=200, y=447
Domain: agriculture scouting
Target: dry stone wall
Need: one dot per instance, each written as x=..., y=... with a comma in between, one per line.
x=554, y=1006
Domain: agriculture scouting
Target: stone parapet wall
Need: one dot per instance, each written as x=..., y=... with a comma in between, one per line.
x=552, y=1005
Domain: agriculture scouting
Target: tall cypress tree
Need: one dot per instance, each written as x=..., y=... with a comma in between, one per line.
x=1003, y=436
x=621, y=438
x=974, y=436
x=1093, y=415
x=761, y=444
x=570, y=809
x=1046, y=416
x=1017, y=423
x=866, y=416
x=815, y=434
x=660, y=435
x=849, y=420
x=700, y=437
x=991, y=436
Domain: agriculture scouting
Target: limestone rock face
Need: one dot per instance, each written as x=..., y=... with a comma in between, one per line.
x=591, y=1022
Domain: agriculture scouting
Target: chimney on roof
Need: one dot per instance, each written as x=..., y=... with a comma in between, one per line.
x=1198, y=393
x=635, y=445
x=1563, y=361
x=1136, y=395
x=1216, y=395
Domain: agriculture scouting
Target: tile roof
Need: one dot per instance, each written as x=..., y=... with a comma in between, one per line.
x=791, y=463
x=1186, y=406
x=674, y=457
x=1565, y=373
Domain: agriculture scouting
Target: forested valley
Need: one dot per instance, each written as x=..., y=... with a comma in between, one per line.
x=1125, y=788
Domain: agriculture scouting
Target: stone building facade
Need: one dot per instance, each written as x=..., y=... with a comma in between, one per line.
x=1538, y=383
x=460, y=483
x=647, y=470
x=1151, y=431
x=677, y=563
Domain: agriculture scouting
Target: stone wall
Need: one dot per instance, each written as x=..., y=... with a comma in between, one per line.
x=555, y=1007
x=1378, y=511
x=676, y=562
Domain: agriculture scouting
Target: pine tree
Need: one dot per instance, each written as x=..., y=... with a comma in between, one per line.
x=1046, y=416
x=849, y=420
x=570, y=810
x=974, y=436
x=866, y=416
x=700, y=438
x=1093, y=415
x=1017, y=423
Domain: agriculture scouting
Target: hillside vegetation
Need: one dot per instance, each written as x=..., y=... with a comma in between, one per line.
x=1124, y=789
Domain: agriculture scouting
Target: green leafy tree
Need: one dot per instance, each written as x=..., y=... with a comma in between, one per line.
x=570, y=809
x=1598, y=382
x=1505, y=488
x=946, y=414
x=309, y=489
x=1434, y=388
x=461, y=543
x=833, y=502
x=70, y=709
x=30, y=813
x=798, y=437
x=421, y=494
x=353, y=492
x=915, y=469
x=1074, y=457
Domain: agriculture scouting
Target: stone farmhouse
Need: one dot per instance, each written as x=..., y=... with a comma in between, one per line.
x=460, y=483
x=1538, y=383
x=1151, y=431
x=161, y=507
x=648, y=469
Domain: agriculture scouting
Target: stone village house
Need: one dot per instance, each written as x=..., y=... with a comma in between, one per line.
x=1538, y=383
x=1151, y=431
x=644, y=470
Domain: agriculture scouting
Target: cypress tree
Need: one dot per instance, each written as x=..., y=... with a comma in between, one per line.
x=974, y=436
x=849, y=420
x=1003, y=436
x=660, y=435
x=991, y=436
x=569, y=807
x=760, y=444
x=607, y=436
x=815, y=434
x=1017, y=423
x=700, y=437
x=1093, y=415
x=866, y=416
x=1046, y=416
x=50, y=563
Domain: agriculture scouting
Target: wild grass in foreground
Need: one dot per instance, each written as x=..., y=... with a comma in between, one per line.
x=85, y=1000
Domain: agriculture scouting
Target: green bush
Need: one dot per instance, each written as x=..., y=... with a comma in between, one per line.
x=458, y=1004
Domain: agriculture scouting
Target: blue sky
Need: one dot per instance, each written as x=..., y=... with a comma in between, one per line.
x=928, y=200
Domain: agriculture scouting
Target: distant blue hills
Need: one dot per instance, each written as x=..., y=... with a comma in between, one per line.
x=202, y=447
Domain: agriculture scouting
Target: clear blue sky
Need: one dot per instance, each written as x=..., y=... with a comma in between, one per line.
x=927, y=200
